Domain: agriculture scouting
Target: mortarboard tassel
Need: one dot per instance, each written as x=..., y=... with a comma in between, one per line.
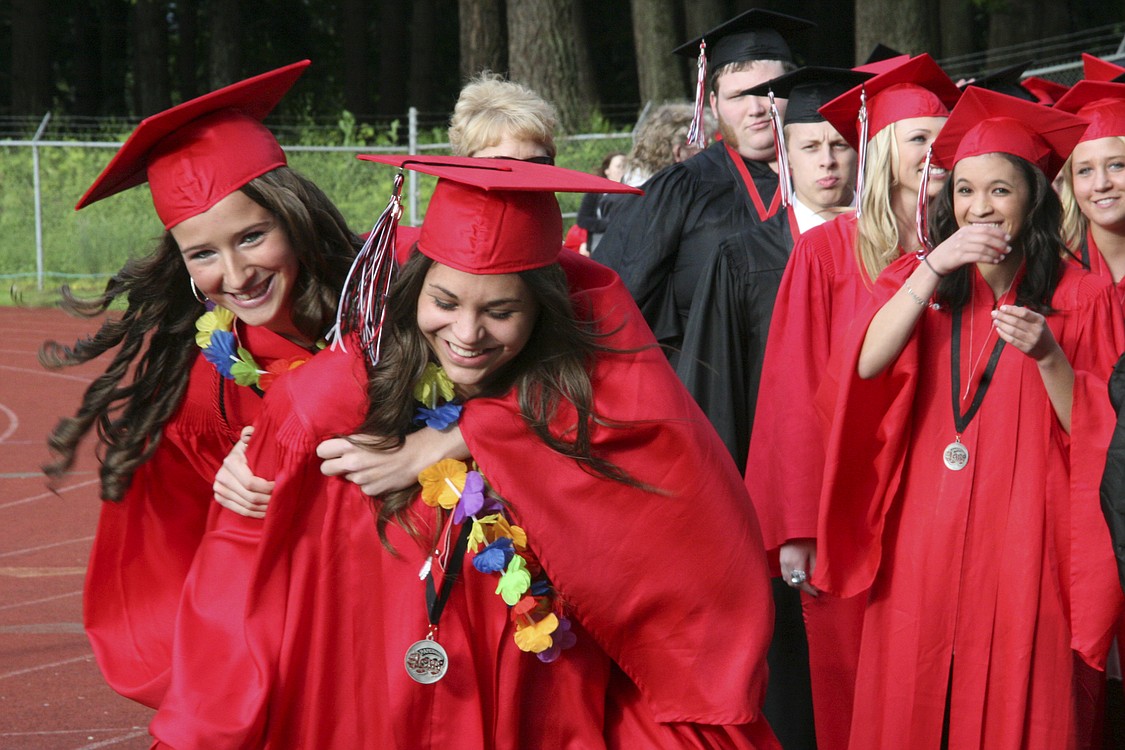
x=861, y=167
x=784, y=176
x=921, y=214
x=696, y=136
x=363, y=300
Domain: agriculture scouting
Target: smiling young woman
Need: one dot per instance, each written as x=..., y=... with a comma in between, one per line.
x=1093, y=188
x=961, y=520
x=240, y=288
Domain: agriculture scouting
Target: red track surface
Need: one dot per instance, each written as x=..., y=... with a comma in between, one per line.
x=51, y=693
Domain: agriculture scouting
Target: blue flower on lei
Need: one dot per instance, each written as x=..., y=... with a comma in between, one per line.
x=438, y=417
x=221, y=352
x=495, y=557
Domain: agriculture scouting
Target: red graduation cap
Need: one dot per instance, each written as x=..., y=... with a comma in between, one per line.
x=197, y=153
x=1099, y=103
x=486, y=216
x=490, y=216
x=915, y=88
x=1097, y=69
x=987, y=122
x=1044, y=89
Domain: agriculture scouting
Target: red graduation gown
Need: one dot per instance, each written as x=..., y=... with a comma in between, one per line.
x=668, y=593
x=1099, y=266
x=822, y=290
x=145, y=544
x=997, y=571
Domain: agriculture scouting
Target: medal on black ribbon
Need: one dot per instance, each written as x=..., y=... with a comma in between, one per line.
x=956, y=455
x=426, y=661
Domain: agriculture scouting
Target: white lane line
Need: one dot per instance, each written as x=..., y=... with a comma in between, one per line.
x=116, y=740
x=13, y=422
x=29, y=670
x=42, y=547
x=44, y=600
x=48, y=494
x=45, y=373
x=41, y=572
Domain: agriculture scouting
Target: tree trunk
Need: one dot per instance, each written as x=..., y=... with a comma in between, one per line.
x=1015, y=21
x=32, y=92
x=83, y=64
x=654, y=37
x=956, y=28
x=186, y=67
x=422, y=89
x=547, y=52
x=225, y=58
x=483, y=41
x=355, y=36
x=701, y=16
x=150, y=56
x=113, y=33
x=394, y=59
x=902, y=24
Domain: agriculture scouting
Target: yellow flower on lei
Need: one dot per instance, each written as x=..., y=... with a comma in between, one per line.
x=536, y=638
x=433, y=384
x=443, y=482
x=219, y=319
x=479, y=534
x=515, y=533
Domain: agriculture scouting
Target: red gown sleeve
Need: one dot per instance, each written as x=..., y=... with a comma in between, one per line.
x=783, y=467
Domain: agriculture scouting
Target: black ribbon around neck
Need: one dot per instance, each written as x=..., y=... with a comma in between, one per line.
x=961, y=421
x=435, y=602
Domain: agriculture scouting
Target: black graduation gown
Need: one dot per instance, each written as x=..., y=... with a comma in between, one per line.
x=659, y=242
x=725, y=338
x=1113, y=480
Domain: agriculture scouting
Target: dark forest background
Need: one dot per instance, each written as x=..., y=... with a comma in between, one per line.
x=598, y=60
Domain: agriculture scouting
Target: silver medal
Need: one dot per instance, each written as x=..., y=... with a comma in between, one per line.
x=426, y=661
x=956, y=456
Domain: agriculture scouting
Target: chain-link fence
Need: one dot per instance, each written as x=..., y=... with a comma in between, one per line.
x=44, y=241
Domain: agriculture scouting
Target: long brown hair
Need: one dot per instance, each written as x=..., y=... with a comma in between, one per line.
x=553, y=367
x=154, y=336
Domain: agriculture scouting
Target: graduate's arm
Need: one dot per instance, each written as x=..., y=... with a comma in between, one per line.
x=378, y=471
x=892, y=326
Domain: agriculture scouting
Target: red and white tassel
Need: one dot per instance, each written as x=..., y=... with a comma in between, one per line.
x=861, y=167
x=363, y=300
x=696, y=136
x=921, y=213
x=784, y=175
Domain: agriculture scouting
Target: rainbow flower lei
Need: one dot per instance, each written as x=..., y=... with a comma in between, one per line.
x=216, y=337
x=499, y=547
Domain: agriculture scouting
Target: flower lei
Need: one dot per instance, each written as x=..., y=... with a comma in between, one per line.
x=216, y=337
x=533, y=605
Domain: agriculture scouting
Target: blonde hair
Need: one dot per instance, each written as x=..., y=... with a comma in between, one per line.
x=490, y=108
x=658, y=134
x=1074, y=222
x=740, y=65
x=877, y=241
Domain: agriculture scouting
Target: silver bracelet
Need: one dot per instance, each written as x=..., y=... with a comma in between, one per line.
x=913, y=296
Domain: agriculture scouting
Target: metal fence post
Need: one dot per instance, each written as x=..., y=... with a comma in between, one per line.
x=38, y=201
x=412, y=118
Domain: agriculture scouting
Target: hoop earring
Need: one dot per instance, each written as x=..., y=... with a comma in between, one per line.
x=196, y=293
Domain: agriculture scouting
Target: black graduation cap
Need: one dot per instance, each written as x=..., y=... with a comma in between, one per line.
x=808, y=89
x=881, y=52
x=753, y=35
x=1006, y=80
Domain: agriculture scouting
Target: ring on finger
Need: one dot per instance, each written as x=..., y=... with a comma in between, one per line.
x=797, y=577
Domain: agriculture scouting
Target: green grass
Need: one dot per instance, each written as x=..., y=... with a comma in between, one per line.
x=83, y=248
